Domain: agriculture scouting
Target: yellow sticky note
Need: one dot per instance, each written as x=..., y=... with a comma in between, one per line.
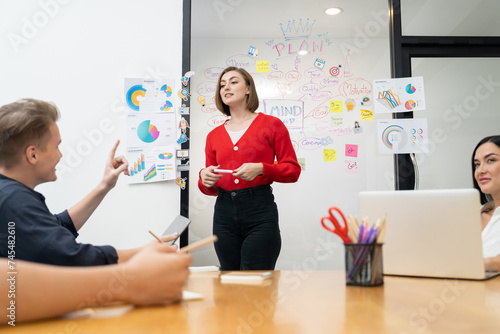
x=336, y=106
x=329, y=155
x=366, y=115
x=262, y=66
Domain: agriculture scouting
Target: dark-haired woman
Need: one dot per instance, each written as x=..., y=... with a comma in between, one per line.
x=486, y=176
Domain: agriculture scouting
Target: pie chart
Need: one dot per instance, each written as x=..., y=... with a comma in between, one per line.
x=410, y=104
x=165, y=156
x=410, y=89
x=167, y=89
x=147, y=132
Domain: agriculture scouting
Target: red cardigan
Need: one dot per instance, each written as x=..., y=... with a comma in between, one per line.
x=266, y=138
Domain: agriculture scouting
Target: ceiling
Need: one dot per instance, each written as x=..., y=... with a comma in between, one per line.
x=262, y=18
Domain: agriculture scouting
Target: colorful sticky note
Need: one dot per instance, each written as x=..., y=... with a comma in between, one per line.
x=302, y=163
x=366, y=115
x=329, y=155
x=336, y=106
x=351, y=150
x=351, y=167
x=336, y=120
x=262, y=66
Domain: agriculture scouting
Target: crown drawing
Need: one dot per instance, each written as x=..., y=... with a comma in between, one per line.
x=297, y=30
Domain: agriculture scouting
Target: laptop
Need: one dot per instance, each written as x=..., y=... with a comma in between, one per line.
x=429, y=233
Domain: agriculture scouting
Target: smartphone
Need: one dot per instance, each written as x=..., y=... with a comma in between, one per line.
x=179, y=224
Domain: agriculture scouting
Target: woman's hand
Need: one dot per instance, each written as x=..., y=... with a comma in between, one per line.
x=492, y=263
x=249, y=171
x=208, y=177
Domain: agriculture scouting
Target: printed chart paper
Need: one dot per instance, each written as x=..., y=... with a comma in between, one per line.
x=147, y=130
x=399, y=95
x=151, y=164
x=403, y=136
x=150, y=130
x=149, y=95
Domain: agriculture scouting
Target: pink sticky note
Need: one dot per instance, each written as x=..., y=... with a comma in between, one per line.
x=351, y=150
x=351, y=167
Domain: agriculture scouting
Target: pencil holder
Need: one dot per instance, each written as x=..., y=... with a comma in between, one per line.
x=363, y=264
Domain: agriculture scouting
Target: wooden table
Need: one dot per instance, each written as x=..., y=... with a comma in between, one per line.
x=296, y=302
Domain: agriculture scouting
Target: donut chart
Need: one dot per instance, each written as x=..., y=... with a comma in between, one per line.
x=147, y=132
x=166, y=106
x=410, y=89
x=132, y=94
x=394, y=134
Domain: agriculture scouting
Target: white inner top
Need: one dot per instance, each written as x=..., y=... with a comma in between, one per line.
x=236, y=135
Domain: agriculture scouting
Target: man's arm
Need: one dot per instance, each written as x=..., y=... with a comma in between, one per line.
x=155, y=275
x=81, y=211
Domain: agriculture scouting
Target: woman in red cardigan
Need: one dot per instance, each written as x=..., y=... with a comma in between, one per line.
x=257, y=149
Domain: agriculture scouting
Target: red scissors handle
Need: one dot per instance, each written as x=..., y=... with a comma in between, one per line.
x=341, y=231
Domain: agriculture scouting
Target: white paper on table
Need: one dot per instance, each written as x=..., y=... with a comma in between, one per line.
x=204, y=269
x=189, y=295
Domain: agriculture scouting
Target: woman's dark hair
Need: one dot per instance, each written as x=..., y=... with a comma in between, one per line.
x=490, y=139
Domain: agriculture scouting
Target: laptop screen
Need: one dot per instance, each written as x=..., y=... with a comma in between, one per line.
x=431, y=233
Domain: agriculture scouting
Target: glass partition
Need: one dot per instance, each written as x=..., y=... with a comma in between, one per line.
x=315, y=72
x=450, y=17
x=461, y=99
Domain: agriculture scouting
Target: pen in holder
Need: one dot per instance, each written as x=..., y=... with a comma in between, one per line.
x=363, y=264
x=363, y=246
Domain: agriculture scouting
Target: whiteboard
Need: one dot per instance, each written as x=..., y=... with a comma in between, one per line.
x=295, y=81
x=77, y=54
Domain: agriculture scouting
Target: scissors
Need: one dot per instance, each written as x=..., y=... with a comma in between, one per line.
x=341, y=231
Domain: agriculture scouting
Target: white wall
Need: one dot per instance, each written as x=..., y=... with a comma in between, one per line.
x=77, y=54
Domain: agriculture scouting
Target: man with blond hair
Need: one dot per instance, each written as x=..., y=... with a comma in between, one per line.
x=29, y=153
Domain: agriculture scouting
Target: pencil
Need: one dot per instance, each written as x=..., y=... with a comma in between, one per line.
x=381, y=233
x=356, y=222
x=353, y=229
x=161, y=242
x=198, y=244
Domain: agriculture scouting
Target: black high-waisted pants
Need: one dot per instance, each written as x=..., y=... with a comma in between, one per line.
x=246, y=224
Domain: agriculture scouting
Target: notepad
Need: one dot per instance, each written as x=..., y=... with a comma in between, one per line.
x=190, y=295
x=245, y=277
x=204, y=269
x=100, y=312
